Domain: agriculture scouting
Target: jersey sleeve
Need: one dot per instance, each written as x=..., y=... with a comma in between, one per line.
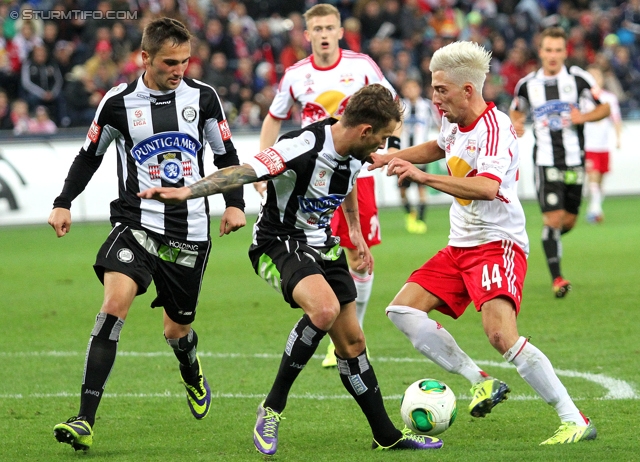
x=520, y=100
x=273, y=161
x=283, y=101
x=374, y=75
x=495, y=143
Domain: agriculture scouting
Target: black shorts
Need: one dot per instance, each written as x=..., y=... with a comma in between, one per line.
x=176, y=267
x=406, y=182
x=283, y=264
x=559, y=189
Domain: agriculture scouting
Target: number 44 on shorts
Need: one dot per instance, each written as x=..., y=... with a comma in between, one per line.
x=495, y=278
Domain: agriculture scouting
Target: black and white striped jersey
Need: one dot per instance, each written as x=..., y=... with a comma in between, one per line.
x=309, y=181
x=549, y=99
x=160, y=139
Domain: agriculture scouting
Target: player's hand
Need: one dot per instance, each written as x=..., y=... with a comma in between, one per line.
x=518, y=126
x=232, y=220
x=377, y=161
x=165, y=195
x=364, y=254
x=261, y=187
x=405, y=171
x=60, y=221
x=577, y=118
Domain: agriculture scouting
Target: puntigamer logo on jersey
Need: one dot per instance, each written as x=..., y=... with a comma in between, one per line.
x=554, y=114
x=164, y=143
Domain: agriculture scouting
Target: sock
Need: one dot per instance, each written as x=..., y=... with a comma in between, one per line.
x=422, y=209
x=364, y=283
x=360, y=381
x=407, y=207
x=185, y=350
x=536, y=369
x=302, y=343
x=595, y=202
x=552, y=246
x=101, y=355
x=433, y=341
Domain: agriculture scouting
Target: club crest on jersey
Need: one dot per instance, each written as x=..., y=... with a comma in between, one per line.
x=189, y=114
x=164, y=143
x=170, y=170
x=471, y=147
x=346, y=79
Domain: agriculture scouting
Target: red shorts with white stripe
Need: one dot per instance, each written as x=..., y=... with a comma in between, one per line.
x=368, y=211
x=460, y=275
x=597, y=161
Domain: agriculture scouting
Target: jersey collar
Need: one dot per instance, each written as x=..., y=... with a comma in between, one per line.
x=470, y=127
x=318, y=68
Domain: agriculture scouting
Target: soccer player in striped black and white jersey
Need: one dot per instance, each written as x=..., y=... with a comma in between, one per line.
x=322, y=84
x=486, y=259
x=160, y=124
x=311, y=172
x=553, y=95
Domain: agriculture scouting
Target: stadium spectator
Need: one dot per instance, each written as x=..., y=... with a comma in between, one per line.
x=558, y=152
x=218, y=40
x=306, y=267
x=333, y=75
x=218, y=74
x=41, y=82
x=371, y=20
x=150, y=242
x=5, y=111
x=352, y=36
x=485, y=260
x=82, y=97
x=41, y=124
x=25, y=40
x=102, y=60
x=294, y=51
x=10, y=64
x=20, y=117
x=50, y=36
x=120, y=42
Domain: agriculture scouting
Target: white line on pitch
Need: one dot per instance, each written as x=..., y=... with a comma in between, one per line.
x=616, y=389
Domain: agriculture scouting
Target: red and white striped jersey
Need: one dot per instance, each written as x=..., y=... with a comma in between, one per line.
x=488, y=147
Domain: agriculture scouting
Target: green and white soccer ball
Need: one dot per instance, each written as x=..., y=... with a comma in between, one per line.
x=428, y=407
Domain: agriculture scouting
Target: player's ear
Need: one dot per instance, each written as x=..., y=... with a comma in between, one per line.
x=365, y=130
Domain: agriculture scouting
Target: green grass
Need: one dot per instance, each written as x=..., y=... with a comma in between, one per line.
x=49, y=298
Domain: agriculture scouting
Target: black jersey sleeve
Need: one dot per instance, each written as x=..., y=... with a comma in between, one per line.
x=81, y=171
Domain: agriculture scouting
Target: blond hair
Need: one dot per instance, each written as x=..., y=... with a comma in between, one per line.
x=462, y=62
x=321, y=9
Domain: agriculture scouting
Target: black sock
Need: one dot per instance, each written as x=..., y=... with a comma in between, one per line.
x=407, y=207
x=101, y=355
x=422, y=209
x=552, y=249
x=360, y=381
x=185, y=350
x=301, y=345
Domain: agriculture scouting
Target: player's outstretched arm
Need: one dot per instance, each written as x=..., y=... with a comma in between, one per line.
x=60, y=220
x=350, y=209
x=218, y=182
x=420, y=154
x=517, y=120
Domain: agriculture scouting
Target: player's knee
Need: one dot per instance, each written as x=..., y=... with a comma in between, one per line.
x=499, y=340
x=324, y=315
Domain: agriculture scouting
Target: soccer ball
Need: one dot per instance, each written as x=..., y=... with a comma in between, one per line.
x=428, y=407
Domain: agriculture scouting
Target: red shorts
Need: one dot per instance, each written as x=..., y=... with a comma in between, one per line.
x=460, y=275
x=597, y=161
x=368, y=211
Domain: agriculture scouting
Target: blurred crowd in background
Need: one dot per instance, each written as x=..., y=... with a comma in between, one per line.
x=54, y=72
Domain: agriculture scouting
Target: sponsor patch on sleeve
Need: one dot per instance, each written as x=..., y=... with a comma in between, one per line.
x=272, y=160
x=225, y=131
x=94, y=132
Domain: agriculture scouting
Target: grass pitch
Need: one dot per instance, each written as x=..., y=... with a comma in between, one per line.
x=50, y=296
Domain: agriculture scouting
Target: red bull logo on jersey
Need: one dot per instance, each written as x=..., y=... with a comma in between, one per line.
x=347, y=79
x=164, y=143
x=460, y=169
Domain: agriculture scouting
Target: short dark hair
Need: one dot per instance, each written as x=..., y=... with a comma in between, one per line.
x=159, y=31
x=373, y=105
x=553, y=32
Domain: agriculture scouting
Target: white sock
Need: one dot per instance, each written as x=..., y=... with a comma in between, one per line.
x=595, y=199
x=536, y=369
x=433, y=341
x=364, y=283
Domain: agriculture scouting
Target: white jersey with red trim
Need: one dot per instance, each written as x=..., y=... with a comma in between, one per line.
x=488, y=147
x=597, y=135
x=324, y=91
